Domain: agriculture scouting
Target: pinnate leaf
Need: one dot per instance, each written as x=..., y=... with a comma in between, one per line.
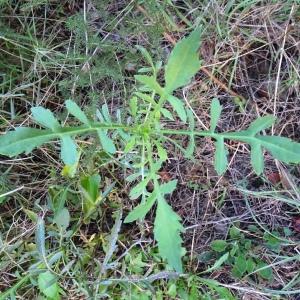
x=167, y=229
x=76, y=111
x=183, y=62
x=23, y=139
x=45, y=117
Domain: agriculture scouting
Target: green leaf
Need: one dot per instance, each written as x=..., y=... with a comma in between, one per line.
x=40, y=237
x=62, y=218
x=281, y=148
x=183, y=62
x=215, y=112
x=90, y=186
x=257, y=158
x=139, y=189
x=220, y=156
x=260, y=124
x=69, y=152
x=47, y=283
x=266, y=272
x=219, y=245
x=167, y=229
x=151, y=83
x=168, y=187
x=178, y=106
x=23, y=139
x=219, y=262
x=167, y=114
x=133, y=106
x=45, y=117
x=141, y=210
x=162, y=153
x=76, y=111
x=240, y=266
x=106, y=142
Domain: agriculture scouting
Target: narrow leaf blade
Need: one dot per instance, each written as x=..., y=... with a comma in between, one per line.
x=220, y=156
x=150, y=82
x=141, y=210
x=282, y=148
x=76, y=111
x=68, y=150
x=106, y=142
x=215, y=112
x=44, y=117
x=257, y=158
x=178, y=106
x=261, y=124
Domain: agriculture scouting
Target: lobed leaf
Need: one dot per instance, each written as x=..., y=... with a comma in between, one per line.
x=23, y=139
x=167, y=229
x=183, y=62
x=76, y=111
x=45, y=117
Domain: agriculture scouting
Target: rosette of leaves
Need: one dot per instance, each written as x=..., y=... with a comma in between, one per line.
x=144, y=136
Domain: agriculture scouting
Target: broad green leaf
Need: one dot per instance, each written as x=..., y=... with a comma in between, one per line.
x=281, y=148
x=62, y=218
x=76, y=111
x=219, y=245
x=151, y=83
x=23, y=139
x=183, y=62
x=69, y=152
x=260, y=124
x=178, y=106
x=141, y=210
x=45, y=117
x=266, y=272
x=240, y=266
x=215, y=112
x=48, y=285
x=257, y=158
x=220, y=156
x=167, y=229
x=106, y=142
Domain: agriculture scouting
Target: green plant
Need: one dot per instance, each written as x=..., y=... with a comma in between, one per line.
x=143, y=137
